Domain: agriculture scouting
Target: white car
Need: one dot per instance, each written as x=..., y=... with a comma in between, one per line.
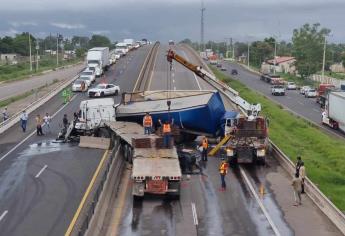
x=304, y=89
x=291, y=86
x=311, y=93
x=278, y=90
x=86, y=79
x=78, y=85
x=89, y=73
x=103, y=90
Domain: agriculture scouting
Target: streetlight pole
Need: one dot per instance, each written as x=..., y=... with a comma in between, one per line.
x=324, y=59
x=30, y=52
x=275, y=56
x=248, y=56
x=57, y=50
x=37, y=48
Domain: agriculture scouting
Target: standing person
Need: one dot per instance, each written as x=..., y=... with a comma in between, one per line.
x=39, y=125
x=75, y=117
x=5, y=114
x=298, y=164
x=46, y=119
x=166, y=132
x=302, y=174
x=65, y=121
x=24, y=120
x=204, y=145
x=223, y=170
x=147, y=123
x=297, y=188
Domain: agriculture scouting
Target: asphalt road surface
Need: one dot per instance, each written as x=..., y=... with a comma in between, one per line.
x=14, y=88
x=296, y=102
x=41, y=181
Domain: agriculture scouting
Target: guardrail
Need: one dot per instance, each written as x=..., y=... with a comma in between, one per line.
x=110, y=163
x=146, y=70
x=5, y=125
x=324, y=204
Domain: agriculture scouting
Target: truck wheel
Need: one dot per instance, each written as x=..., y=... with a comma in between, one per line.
x=102, y=94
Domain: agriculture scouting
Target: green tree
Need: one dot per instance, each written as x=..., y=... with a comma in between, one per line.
x=308, y=48
x=21, y=43
x=6, y=45
x=99, y=41
x=343, y=59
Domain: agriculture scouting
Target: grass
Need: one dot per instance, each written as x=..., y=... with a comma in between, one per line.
x=21, y=70
x=334, y=75
x=324, y=156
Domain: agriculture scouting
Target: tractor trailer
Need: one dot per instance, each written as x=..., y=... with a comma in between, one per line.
x=334, y=113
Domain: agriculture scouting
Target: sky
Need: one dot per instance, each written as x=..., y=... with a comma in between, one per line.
x=242, y=20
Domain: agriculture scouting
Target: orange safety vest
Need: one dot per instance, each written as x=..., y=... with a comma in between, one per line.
x=166, y=128
x=147, y=121
x=205, y=143
x=223, y=169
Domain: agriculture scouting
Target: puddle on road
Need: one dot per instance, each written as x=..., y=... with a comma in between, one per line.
x=14, y=175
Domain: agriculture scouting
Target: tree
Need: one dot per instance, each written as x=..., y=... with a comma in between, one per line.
x=187, y=41
x=6, y=45
x=99, y=41
x=21, y=43
x=343, y=58
x=308, y=48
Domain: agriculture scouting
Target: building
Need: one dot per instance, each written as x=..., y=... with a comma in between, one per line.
x=8, y=57
x=338, y=68
x=282, y=64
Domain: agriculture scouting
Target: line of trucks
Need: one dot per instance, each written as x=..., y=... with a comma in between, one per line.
x=157, y=170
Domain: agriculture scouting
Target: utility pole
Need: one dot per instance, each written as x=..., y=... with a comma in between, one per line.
x=37, y=48
x=30, y=52
x=57, y=50
x=324, y=59
x=275, y=56
x=248, y=56
x=202, y=26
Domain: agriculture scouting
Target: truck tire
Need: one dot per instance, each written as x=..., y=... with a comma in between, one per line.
x=102, y=94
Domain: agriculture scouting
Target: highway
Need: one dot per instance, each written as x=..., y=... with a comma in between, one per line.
x=293, y=100
x=41, y=181
x=241, y=210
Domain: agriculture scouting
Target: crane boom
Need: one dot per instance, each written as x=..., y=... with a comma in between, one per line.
x=249, y=109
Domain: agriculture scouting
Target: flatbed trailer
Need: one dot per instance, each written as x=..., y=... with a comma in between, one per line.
x=155, y=170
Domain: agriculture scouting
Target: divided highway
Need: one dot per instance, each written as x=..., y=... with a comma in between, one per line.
x=305, y=107
x=41, y=181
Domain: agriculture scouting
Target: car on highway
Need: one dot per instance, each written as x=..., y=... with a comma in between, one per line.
x=291, y=86
x=304, y=89
x=219, y=65
x=234, y=72
x=102, y=90
x=79, y=86
x=89, y=73
x=223, y=68
x=86, y=79
x=311, y=93
x=278, y=90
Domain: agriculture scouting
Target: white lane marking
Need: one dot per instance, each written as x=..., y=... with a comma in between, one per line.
x=25, y=139
x=41, y=171
x=195, y=77
x=301, y=103
x=316, y=110
x=3, y=215
x=195, y=216
x=269, y=219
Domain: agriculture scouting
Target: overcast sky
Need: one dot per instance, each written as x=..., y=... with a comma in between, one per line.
x=244, y=20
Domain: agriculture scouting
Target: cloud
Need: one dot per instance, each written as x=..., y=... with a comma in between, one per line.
x=10, y=32
x=67, y=26
x=101, y=32
x=22, y=23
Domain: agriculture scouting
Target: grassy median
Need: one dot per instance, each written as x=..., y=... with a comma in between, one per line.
x=324, y=156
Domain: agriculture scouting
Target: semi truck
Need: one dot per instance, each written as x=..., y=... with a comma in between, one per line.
x=121, y=48
x=322, y=91
x=98, y=58
x=334, y=113
x=155, y=170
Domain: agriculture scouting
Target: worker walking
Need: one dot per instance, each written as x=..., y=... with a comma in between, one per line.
x=298, y=164
x=204, y=145
x=24, y=120
x=65, y=121
x=39, y=125
x=5, y=114
x=302, y=175
x=223, y=170
x=147, y=123
x=166, y=132
x=297, y=188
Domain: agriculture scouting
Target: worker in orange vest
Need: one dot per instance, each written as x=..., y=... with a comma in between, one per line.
x=166, y=132
x=204, y=145
x=223, y=170
x=147, y=123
